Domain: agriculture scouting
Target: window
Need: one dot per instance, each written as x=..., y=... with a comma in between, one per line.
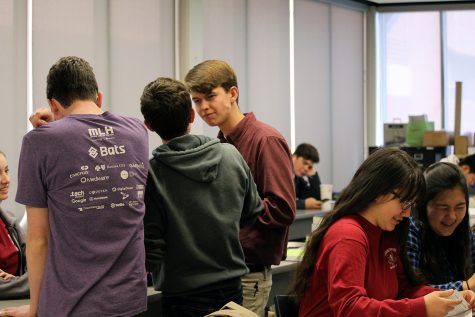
x=460, y=66
x=421, y=56
x=410, y=66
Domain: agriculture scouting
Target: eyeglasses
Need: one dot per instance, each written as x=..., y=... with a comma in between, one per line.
x=405, y=204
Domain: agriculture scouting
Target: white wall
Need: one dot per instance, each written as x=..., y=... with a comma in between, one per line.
x=329, y=75
x=268, y=63
x=13, y=87
x=129, y=43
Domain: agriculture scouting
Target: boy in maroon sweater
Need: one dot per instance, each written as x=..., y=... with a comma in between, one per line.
x=214, y=90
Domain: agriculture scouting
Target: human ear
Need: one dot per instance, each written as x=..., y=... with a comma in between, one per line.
x=148, y=125
x=234, y=91
x=99, y=97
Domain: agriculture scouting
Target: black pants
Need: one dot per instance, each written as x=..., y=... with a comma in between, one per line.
x=201, y=303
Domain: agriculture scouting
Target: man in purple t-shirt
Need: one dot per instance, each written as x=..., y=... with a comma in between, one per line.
x=82, y=180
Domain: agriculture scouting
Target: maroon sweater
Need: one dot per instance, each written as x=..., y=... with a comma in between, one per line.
x=266, y=152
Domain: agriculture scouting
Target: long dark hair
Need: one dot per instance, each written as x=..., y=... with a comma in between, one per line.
x=441, y=177
x=383, y=172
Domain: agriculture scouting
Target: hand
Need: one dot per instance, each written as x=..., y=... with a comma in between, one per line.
x=6, y=276
x=471, y=280
x=20, y=311
x=438, y=304
x=41, y=117
x=311, y=171
x=469, y=297
x=312, y=203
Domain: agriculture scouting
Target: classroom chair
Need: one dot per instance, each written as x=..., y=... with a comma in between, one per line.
x=285, y=306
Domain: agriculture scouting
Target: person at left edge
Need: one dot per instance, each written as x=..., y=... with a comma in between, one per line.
x=82, y=179
x=13, y=274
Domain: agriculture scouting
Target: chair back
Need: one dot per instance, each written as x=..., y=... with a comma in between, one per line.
x=286, y=306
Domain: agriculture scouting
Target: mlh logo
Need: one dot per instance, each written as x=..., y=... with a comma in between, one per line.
x=98, y=132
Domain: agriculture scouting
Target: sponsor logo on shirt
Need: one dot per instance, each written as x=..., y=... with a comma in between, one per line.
x=106, y=150
x=391, y=256
x=77, y=194
x=99, y=133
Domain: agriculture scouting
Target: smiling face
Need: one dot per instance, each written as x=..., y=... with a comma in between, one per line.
x=386, y=212
x=215, y=107
x=4, y=178
x=446, y=211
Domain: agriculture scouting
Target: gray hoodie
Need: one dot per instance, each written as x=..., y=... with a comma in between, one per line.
x=17, y=287
x=204, y=192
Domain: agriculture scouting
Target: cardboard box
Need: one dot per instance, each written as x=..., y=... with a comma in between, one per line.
x=394, y=133
x=461, y=145
x=437, y=138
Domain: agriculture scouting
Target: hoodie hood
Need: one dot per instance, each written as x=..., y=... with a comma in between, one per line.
x=195, y=156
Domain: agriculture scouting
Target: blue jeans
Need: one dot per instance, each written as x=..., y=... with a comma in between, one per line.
x=201, y=303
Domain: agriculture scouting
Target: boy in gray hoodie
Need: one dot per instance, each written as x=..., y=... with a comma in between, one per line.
x=198, y=194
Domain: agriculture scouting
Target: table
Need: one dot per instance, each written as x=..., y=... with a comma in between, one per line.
x=153, y=303
x=282, y=276
x=302, y=224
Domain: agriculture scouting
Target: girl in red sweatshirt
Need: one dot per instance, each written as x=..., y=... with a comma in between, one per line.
x=352, y=265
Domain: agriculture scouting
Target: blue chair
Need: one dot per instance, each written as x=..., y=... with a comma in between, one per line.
x=286, y=306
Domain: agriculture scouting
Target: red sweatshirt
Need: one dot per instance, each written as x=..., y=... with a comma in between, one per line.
x=359, y=273
x=8, y=251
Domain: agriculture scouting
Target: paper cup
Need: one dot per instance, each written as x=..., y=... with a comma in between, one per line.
x=328, y=205
x=326, y=191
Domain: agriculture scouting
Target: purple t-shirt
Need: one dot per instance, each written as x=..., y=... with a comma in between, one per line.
x=90, y=172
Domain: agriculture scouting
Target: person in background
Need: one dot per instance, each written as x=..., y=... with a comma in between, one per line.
x=13, y=275
x=467, y=167
x=214, y=90
x=306, y=179
x=440, y=245
x=362, y=272
x=82, y=178
x=192, y=241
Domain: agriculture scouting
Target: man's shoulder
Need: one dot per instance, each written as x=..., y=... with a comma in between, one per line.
x=125, y=118
x=128, y=121
x=231, y=153
x=265, y=130
x=264, y=135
